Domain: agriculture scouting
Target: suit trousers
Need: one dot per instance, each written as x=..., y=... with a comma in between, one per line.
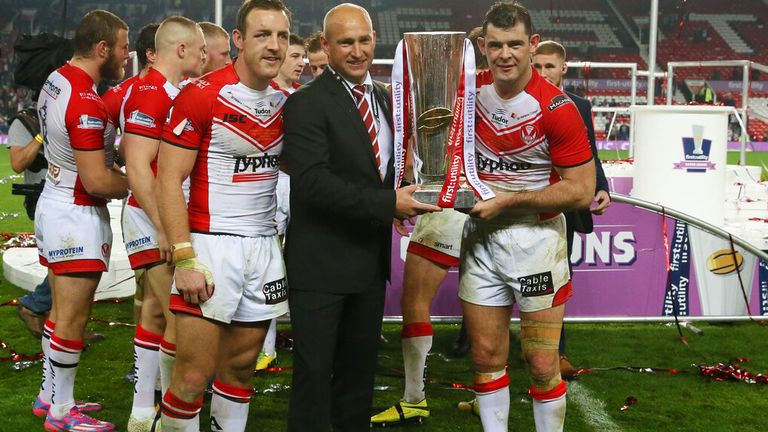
x=336, y=343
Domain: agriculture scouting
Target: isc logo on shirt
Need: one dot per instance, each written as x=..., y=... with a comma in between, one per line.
x=88, y=122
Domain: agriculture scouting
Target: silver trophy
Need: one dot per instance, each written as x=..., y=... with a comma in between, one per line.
x=435, y=61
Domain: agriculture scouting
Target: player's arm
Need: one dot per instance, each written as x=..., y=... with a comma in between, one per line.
x=98, y=179
x=574, y=191
x=572, y=159
x=174, y=163
x=140, y=151
x=193, y=280
x=22, y=157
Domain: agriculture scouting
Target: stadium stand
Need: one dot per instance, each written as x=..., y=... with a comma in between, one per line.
x=593, y=30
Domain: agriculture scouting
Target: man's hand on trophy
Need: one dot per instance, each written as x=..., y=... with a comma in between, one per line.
x=487, y=209
x=407, y=207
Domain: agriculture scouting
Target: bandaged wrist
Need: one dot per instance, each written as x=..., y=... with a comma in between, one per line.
x=194, y=265
x=182, y=251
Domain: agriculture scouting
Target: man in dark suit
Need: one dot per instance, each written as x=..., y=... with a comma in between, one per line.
x=549, y=60
x=338, y=152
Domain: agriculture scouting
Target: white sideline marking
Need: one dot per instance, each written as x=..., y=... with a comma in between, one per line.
x=591, y=407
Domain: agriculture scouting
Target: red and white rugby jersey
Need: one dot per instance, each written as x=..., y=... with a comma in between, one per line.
x=72, y=116
x=238, y=133
x=145, y=111
x=520, y=140
x=114, y=97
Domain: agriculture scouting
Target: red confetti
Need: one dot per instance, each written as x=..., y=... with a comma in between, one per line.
x=14, y=302
x=628, y=403
x=16, y=357
x=732, y=372
x=115, y=301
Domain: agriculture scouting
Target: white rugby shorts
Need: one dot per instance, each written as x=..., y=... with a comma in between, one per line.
x=72, y=238
x=249, y=278
x=437, y=237
x=140, y=238
x=504, y=262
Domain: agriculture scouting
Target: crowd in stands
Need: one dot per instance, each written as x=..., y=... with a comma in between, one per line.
x=392, y=17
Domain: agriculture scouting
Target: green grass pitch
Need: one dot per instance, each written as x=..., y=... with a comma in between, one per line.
x=683, y=401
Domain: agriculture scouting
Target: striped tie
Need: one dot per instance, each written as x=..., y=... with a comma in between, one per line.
x=365, y=112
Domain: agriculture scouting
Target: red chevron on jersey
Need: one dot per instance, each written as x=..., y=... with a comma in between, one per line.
x=520, y=140
x=238, y=135
x=264, y=134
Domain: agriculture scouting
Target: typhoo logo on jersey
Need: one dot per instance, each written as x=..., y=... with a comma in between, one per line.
x=246, y=166
x=275, y=291
x=485, y=164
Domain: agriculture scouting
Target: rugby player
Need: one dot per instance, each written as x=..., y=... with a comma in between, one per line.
x=216, y=46
x=432, y=250
x=179, y=47
x=532, y=149
x=72, y=228
x=226, y=133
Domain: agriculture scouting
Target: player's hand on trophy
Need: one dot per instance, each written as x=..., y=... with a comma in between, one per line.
x=194, y=283
x=406, y=206
x=487, y=209
x=603, y=200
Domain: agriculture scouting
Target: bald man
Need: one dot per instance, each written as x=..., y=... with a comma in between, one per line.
x=179, y=47
x=338, y=151
x=216, y=46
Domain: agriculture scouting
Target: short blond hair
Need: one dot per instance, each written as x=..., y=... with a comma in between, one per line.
x=550, y=47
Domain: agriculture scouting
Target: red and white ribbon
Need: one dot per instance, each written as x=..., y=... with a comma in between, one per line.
x=460, y=151
x=401, y=110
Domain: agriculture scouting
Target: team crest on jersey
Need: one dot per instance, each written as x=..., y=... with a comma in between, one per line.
x=557, y=102
x=88, y=122
x=529, y=133
x=140, y=119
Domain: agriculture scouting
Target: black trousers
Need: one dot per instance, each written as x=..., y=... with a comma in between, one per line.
x=336, y=343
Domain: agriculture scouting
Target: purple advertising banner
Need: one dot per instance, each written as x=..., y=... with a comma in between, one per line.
x=619, y=270
x=642, y=84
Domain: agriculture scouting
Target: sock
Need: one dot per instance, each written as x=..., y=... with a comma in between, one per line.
x=63, y=360
x=549, y=408
x=180, y=416
x=270, y=339
x=229, y=407
x=167, y=357
x=146, y=364
x=45, y=383
x=493, y=402
x=417, y=341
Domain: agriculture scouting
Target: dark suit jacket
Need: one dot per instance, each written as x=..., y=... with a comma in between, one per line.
x=581, y=220
x=339, y=235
